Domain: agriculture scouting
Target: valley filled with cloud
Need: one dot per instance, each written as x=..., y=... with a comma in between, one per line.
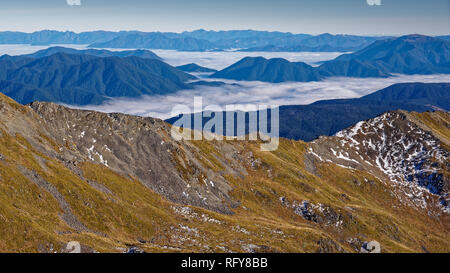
x=221, y=59
x=240, y=93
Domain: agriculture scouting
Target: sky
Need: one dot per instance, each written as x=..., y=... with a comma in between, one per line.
x=361, y=17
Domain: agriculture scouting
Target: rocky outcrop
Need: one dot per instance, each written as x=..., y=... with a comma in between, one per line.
x=371, y=247
x=395, y=148
x=135, y=147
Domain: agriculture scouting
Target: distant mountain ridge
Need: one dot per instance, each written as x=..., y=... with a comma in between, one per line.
x=243, y=39
x=246, y=40
x=156, y=40
x=322, y=43
x=46, y=37
x=411, y=54
x=198, y=40
x=145, y=54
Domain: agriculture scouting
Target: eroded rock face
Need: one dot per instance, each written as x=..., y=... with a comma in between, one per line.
x=321, y=214
x=136, y=147
x=393, y=147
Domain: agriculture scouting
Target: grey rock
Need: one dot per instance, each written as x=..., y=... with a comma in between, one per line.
x=371, y=247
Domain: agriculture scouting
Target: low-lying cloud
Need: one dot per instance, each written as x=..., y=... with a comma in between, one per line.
x=290, y=93
x=222, y=59
x=260, y=93
x=215, y=60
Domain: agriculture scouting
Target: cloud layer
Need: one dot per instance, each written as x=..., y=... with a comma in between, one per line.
x=260, y=93
x=215, y=60
x=220, y=60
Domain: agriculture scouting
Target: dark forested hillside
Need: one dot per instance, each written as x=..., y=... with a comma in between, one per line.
x=85, y=79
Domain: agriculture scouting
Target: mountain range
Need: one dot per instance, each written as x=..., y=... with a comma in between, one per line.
x=237, y=39
x=321, y=43
x=47, y=37
x=411, y=54
x=248, y=40
x=119, y=183
x=91, y=76
x=156, y=40
x=327, y=117
x=198, y=40
x=274, y=70
x=82, y=79
x=141, y=53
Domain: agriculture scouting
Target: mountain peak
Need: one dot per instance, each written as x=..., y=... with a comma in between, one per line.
x=268, y=70
x=402, y=148
x=416, y=37
x=143, y=53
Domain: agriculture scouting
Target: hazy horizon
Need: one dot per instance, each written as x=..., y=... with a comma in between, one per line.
x=355, y=17
x=220, y=30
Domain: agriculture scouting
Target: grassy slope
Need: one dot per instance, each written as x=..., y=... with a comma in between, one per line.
x=30, y=216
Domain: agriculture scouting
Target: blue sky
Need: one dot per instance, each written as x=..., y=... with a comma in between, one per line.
x=297, y=16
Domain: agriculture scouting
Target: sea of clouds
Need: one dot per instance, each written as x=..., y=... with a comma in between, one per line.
x=244, y=93
x=258, y=93
x=222, y=59
x=214, y=60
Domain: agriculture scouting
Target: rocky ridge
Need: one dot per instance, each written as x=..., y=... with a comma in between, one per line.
x=398, y=151
x=118, y=183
